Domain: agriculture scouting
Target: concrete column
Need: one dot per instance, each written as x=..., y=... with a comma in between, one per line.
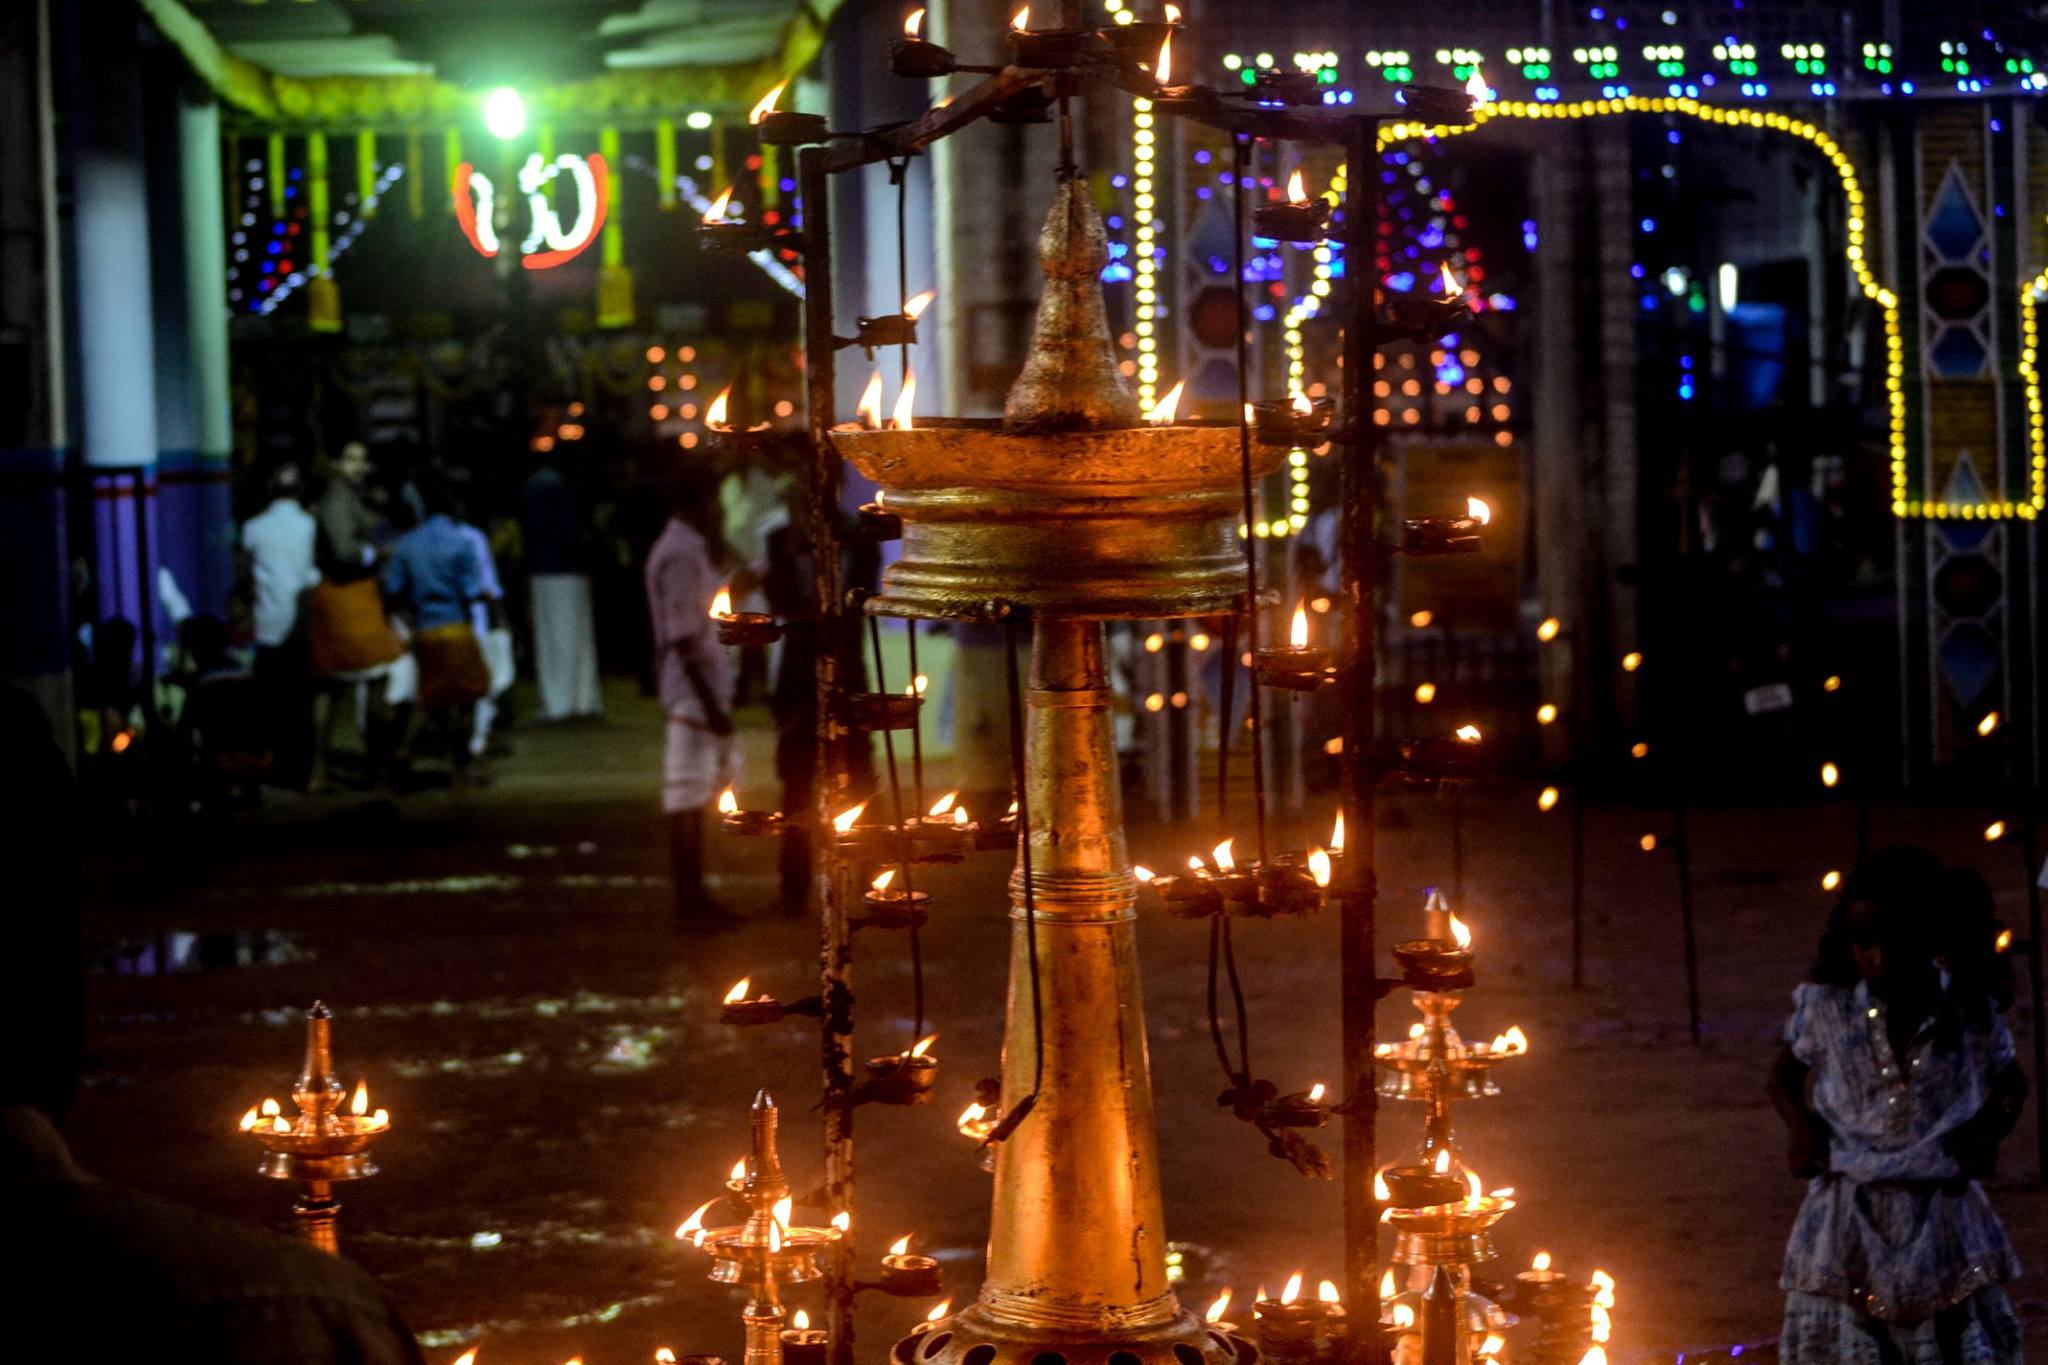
x=189, y=275
x=34, y=559
x=110, y=302
x=1616, y=487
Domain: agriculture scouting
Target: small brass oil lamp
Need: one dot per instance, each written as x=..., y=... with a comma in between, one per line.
x=1297, y=219
x=319, y=1145
x=1298, y=421
x=754, y=823
x=1297, y=664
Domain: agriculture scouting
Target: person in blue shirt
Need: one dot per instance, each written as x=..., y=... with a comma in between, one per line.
x=431, y=579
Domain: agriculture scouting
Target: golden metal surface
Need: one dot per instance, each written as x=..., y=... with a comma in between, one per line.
x=1069, y=382
x=1077, y=1238
x=1130, y=524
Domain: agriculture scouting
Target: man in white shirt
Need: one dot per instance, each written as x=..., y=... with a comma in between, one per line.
x=278, y=546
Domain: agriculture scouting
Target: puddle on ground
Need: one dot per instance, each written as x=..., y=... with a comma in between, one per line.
x=179, y=952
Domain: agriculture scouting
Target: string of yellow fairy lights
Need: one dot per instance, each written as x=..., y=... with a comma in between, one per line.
x=1903, y=503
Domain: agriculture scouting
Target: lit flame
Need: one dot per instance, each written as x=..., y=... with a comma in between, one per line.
x=801, y=1321
x=1302, y=405
x=1549, y=629
x=1403, y=1315
x=944, y=1307
x=943, y=804
x=2002, y=942
x=1337, y=834
x=739, y=1169
x=914, y=306
x=919, y=683
x=882, y=880
x=1988, y=724
x=1540, y=1261
x=1513, y=1043
x=381, y=1119
x=959, y=815
x=1387, y=1289
x=733, y=997
x=248, y=1120
x=1172, y=14
x=280, y=1125
x=783, y=1210
x=1162, y=70
x=1297, y=189
x=1459, y=932
x=1493, y=1344
x=360, y=1105
x=1467, y=734
x=924, y=1045
x=1547, y=798
x=1167, y=408
x=1021, y=20
x=971, y=1115
x=1476, y=87
x=721, y=610
x=716, y=213
x=714, y=416
x=467, y=1357
x=1293, y=1289
x=1595, y=1355
x=728, y=802
x=869, y=409
x=1297, y=633
x=1473, y=1192
x=766, y=106
x=1604, y=1284
x=1603, y=1324
x=1222, y=856
x=1829, y=774
x=1631, y=661
x=1450, y=281
x=843, y=821
x=1217, y=1308
x=906, y=402
x=1326, y=1292
x=1316, y=1092
x=900, y=1246
x=271, y=1109
x=774, y=1236
x=1319, y=866
x=1195, y=864
x=842, y=1221
x=1381, y=1194
x=913, y=23
x=664, y=1356
x=695, y=1221
x=1994, y=831
x=1477, y=509
x=1442, y=1164
x=1830, y=879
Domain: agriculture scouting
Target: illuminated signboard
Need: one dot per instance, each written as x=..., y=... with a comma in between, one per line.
x=547, y=242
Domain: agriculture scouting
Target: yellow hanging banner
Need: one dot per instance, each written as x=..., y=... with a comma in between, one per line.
x=273, y=173
x=415, y=174
x=451, y=154
x=665, y=160
x=544, y=143
x=366, y=173
x=323, y=300
x=614, y=280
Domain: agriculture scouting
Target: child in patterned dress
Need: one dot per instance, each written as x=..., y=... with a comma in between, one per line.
x=1896, y=1083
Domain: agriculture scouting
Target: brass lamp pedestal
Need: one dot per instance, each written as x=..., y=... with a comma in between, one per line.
x=1073, y=514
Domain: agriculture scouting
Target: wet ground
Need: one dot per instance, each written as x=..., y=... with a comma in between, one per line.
x=503, y=972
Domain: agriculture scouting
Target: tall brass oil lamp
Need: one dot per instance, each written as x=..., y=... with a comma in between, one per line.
x=320, y=1144
x=1068, y=513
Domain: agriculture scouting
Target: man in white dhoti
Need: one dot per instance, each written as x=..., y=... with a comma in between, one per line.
x=694, y=677
x=557, y=540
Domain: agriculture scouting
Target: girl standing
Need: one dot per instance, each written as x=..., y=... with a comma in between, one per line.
x=1896, y=1083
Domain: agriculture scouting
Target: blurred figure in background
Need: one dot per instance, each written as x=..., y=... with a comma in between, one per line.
x=557, y=540
x=433, y=576
x=694, y=676
x=487, y=619
x=280, y=550
x=350, y=641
